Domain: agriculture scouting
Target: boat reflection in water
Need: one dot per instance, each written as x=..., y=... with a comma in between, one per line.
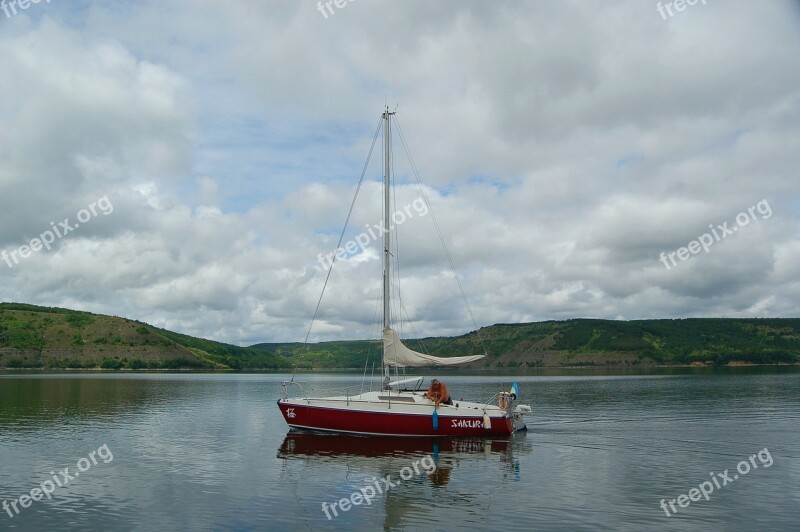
x=341, y=464
x=299, y=443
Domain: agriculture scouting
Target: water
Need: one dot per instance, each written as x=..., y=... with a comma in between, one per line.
x=206, y=451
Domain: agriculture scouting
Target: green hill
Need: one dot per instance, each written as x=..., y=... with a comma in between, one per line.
x=44, y=337
x=585, y=342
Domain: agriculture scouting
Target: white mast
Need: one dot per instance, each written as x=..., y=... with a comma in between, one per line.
x=386, y=221
x=386, y=216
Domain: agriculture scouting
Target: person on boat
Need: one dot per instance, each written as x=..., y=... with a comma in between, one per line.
x=437, y=392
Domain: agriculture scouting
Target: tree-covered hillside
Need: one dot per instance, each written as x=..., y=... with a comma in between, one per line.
x=47, y=337
x=44, y=337
x=585, y=342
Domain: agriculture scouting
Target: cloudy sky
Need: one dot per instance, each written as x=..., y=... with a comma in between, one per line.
x=208, y=153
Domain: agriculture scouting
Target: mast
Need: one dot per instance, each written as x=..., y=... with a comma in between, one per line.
x=386, y=221
x=386, y=215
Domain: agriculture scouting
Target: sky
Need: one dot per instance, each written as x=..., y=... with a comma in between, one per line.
x=188, y=163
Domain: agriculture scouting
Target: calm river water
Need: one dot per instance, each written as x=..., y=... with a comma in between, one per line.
x=211, y=452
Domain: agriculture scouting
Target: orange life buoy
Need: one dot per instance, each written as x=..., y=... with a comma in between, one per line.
x=503, y=400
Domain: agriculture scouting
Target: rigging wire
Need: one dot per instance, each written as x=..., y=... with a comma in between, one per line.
x=439, y=233
x=377, y=326
x=341, y=236
x=414, y=331
x=396, y=242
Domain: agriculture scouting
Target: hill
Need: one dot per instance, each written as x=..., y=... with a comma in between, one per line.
x=586, y=342
x=45, y=337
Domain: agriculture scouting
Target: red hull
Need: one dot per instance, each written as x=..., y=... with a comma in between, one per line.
x=388, y=423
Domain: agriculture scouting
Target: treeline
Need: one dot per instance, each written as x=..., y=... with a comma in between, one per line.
x=338, y=354
x=35, y=337
x=107, y=363
x=232, y=356
x=51, y=337
x=683, y=341
x=714, y=341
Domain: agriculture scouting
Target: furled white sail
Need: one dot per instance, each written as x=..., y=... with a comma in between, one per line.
x=396, y=354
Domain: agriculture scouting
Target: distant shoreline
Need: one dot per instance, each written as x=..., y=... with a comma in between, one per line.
x=56, y=339
x=416, y=371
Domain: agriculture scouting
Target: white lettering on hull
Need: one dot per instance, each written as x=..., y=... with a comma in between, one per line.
x=466, y=423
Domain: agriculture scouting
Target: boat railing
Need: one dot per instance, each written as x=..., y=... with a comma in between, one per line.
x=288, y=386
x=306, y=390
x=495, y=401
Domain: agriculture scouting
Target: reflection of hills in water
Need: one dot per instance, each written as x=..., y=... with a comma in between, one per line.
x=456, y=482
x=38, y=402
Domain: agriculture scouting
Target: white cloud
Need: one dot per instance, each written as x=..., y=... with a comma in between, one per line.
x=566, y=145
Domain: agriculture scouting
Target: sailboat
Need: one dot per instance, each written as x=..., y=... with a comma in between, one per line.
x=400, y=407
